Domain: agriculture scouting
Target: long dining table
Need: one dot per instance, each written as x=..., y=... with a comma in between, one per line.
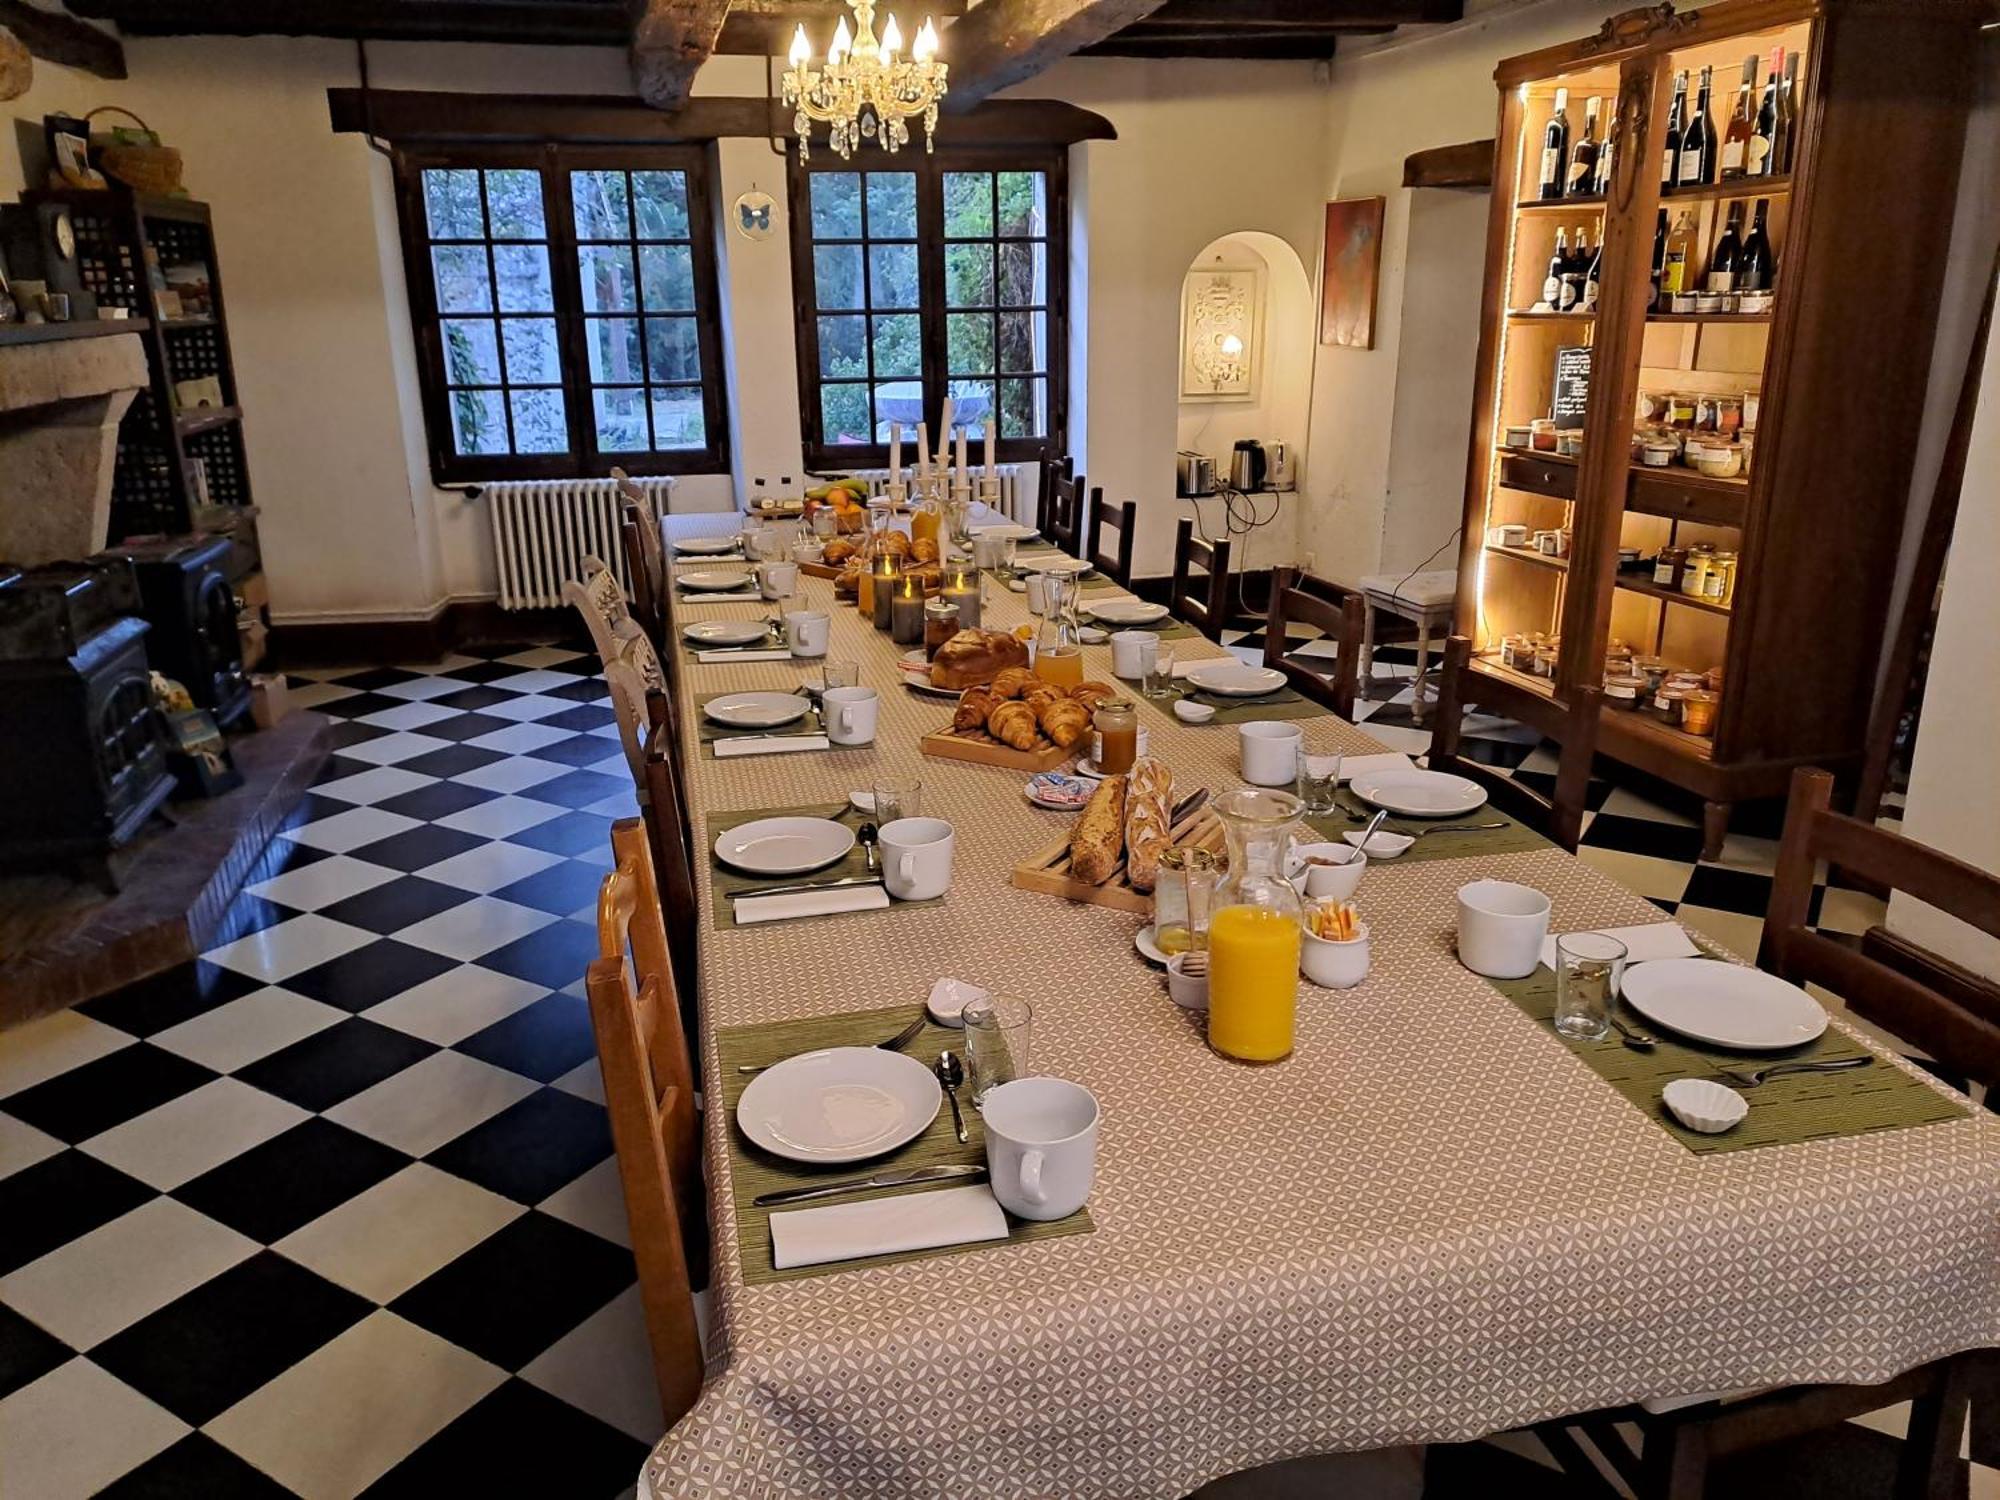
x=1431, y=1223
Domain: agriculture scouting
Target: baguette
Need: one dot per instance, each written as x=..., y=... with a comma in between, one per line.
x=1099, y=836
x=1148, y=806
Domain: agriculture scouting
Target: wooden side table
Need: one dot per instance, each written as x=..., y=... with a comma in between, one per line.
x=1424, y=599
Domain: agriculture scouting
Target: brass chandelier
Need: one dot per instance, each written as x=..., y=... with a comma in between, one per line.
x=867, y=90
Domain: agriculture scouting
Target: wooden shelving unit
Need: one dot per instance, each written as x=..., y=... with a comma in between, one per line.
x=122, y=239
x=1882, y=102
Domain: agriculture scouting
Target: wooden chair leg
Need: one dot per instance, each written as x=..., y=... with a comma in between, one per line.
x=1347, y=667
x=1450, y=706
x=1676, y=1463
x=1929, y=1468
x=1983, y=1378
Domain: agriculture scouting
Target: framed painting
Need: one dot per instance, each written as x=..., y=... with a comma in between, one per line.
x=1351, y=267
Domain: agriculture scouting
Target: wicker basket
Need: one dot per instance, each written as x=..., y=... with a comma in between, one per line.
x=145, y=167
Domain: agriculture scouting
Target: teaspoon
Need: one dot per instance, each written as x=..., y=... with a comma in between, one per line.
x=951, y=1073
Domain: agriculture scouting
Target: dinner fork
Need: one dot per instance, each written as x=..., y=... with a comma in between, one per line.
x=895, y=1043
x=1749, y=1078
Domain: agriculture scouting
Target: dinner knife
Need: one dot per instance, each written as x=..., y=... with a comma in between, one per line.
x=901, y=1178
x=804, y=886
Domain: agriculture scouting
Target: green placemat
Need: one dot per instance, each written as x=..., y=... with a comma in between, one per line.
x=695, y=596
x=1167, y=629
x=1516, y=838
x=725, y=884
x=752, y=1171
x=1784, y=1111
x=1285, y=703
x=708, y=731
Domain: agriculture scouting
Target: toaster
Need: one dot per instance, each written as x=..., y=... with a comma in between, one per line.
x=1195, y=473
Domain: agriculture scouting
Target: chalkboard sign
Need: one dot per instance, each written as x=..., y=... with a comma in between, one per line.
x=1572, y=396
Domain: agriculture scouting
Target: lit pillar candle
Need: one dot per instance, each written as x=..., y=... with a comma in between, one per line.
x=895, y=453
x=906, y=613
x=963, y=591
x=887, y=577
x=989, y=447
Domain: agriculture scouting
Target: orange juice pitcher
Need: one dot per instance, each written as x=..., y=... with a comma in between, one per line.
x=1253, y=931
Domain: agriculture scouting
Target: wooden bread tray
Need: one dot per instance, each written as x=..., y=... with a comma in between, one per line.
x=821, y=570
x=1047, y=870
x=982, y=749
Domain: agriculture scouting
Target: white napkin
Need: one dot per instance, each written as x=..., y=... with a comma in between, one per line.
x=1651, y=940
x=750, y=909
x=885, y=1226
x=729, y=656
x=784, y=744
x=1352, y=766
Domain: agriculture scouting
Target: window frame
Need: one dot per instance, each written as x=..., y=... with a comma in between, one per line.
x=554, y=162
x=930, y=169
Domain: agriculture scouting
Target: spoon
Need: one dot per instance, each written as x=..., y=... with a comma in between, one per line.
x=866, y=836
x=1636, y=1039
x=1749, y=1078
x=951, y=1073
x=1369, y=832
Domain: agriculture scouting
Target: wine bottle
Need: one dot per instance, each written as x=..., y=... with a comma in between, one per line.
x=1659, y=261
x=1765, y=150
x=1555, y=148
x=1697, y=165
x=1677, y=267
x=1722, y=261
x=1670, y=166
x=1756, y=264
x=1552, y=285
x=1574, y=270
x=1788, y=101
x=1601, y=183
x=1592, y=276
x=1583, y=156
x=1742, y=124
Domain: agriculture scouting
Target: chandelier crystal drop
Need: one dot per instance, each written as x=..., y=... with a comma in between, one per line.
x=867, y=89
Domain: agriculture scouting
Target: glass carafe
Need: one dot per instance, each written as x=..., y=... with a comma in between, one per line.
x=1059, y=646
x=1253, y=930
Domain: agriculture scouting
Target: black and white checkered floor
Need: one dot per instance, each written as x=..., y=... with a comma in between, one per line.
x=334, y=1212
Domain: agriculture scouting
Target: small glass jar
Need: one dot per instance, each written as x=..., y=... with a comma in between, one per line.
x=1180, y=900
x=1728, y=415
x=1545, y=661
x=940, y=625
x=1117, y=726
x=1667, y=567
x=1669, y=704
x=1698, y=710
x=1542, y=434
x=1516, y=652
x=1680, y=411
x=1653, y=669
x=1625, y=691
x=1721, y=585
x=1694, y=572
x=1707, y=414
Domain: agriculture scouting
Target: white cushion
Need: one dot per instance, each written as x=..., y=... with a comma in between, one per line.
x=1439, y=586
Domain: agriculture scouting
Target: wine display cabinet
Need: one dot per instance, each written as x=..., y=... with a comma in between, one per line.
x=1690, y=469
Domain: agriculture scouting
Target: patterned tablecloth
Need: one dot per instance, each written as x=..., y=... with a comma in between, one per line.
x=1431, y=1223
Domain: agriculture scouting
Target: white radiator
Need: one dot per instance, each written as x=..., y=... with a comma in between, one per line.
x=1017, y=500
x=544, y=528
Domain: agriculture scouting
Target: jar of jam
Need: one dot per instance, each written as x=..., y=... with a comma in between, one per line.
x=1698, y=710
x=940, y=625
x=1669, y=704
x=1721, y=585
x=1728, y=415
x=1695, y=571
x=1653, y=669
x=1707, y=414
x=1624, y=691
x=1545, y=661
x=1680, y=411
x=1667, y=567
x=1117, y=725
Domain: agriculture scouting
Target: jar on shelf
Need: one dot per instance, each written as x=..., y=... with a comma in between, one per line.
x=1680, y=410
x=1668, y=565
x=1712, y=679
x=1707, y=413
x=1516, y=652
x=1694, y=572
x=1653, y=669
x=1698, y=710
x=1669, y=705
x=1624, y=691
x=1542, y=435
x=1545, y=660
x=1721, y=585
x=1728, y=415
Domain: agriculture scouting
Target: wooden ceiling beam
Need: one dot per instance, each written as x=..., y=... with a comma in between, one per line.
x=1327, y=14
x=1005, y=42
x=531, y=22
x=60, y=39
x=671, y=39
x=1466, y=165
x=1308, y=47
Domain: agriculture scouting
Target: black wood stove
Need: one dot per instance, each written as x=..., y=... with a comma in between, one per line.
x=82, y=759
x=186, y=598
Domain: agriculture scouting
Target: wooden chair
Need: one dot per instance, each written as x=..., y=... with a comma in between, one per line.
x=1931, y=1004
x=1118, y=565
x=1344, y=623
x=672, y=830
x=649, y=1093
x=1202, y=602
x=646, y=561
x=1059, y=507
x=600, y=600
x=1558, y=818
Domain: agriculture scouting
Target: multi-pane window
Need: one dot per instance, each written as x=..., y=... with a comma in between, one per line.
x=933, y=277
x=564, y=301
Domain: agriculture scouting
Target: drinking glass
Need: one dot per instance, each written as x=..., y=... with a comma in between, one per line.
x=902, y=797
x=1318, y=782
x=1180, y=900
x=1009, y=548
x=999, y=1035
x=1159, y=678
x=1590, y=970
x=825, y=523
x=838, y=674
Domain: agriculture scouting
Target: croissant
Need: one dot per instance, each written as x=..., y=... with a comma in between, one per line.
x=895, y=543
x=1040, y=696
x=1090, y=694
x=1012, y=724
x=924, y=549
x=1065, y=721
x=1011, y=682
x=973, y=706
x=848, y=584
x=838, y=551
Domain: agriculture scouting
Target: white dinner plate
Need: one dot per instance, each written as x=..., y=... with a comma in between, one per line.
x=1013, y=529
x=705, y=546
x=1127, y=612
x=726, y=632
x=1730, y=1005
x=756, y=710
x=784, y=846
x=718, y=581
x=1419, y=794
x=916, y=674
x=1235, y=679
x=839, y=1104
x=1055, y=567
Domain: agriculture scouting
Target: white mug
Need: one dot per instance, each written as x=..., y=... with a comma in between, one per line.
x=1500, y=928
x=851, y=714
x=916, y=858
x=1270, y=752
x=1041, y=1146
x=810, y=629
x=1132, y=652
x=776, y=580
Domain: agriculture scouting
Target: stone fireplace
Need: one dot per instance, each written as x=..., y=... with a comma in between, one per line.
x=60, y=404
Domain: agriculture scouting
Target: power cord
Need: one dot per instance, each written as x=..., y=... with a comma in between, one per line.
x=1397, y=591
